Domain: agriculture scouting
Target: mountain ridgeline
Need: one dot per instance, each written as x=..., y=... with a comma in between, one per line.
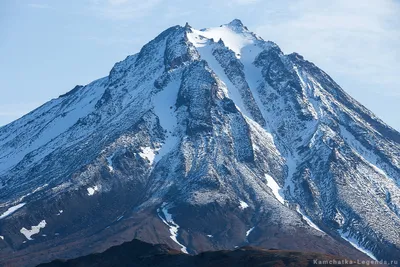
x=204, y=140
x=140, y=254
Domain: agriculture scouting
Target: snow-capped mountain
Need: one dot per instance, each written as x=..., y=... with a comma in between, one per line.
x=204, y=140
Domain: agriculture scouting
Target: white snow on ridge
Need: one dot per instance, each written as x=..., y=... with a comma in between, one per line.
x=234, y=40
x=173, y=227
x=38, y=189
x=276, y=190
x=34, y=230
x=92, y=190
x=243, y=205
x=53, y=124
x=26, y=195
x=356, y=244
x=11, y=210
x=308, y=220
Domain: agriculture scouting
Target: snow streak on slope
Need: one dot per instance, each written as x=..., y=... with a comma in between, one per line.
x=205, y=48
x=276, y=190
x=164, y=108
x=249, y=231
x=11, y=210
x=308, y=220
x=356, y=244
x=166, y=217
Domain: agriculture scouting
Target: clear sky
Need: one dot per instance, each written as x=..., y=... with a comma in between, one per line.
x=49, y=46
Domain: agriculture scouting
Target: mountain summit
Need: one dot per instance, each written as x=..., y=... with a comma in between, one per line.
x=204, y=140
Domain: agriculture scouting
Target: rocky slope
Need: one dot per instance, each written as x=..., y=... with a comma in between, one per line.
x=204, y=140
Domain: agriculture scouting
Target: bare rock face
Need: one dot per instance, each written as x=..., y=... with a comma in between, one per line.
x=204, y=140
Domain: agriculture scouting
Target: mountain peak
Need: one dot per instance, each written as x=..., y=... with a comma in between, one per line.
x=236, y=23
x=187, y=128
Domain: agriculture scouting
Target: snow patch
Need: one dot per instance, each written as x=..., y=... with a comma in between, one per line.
x=34, y=230
x=249, y=231
x=339, y=218
x=11, y=210
x=148, y=153
x=1, y=237
x=92, y=190
x=276, y=190
x=166, y=217
x=356, y=244
x=243, y=205
x=59, y=212
x=210, y=236
x=110, y=163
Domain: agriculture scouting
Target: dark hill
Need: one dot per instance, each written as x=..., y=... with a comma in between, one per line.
x=140, y=254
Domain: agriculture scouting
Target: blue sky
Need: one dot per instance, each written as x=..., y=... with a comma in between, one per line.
x=49, y=46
